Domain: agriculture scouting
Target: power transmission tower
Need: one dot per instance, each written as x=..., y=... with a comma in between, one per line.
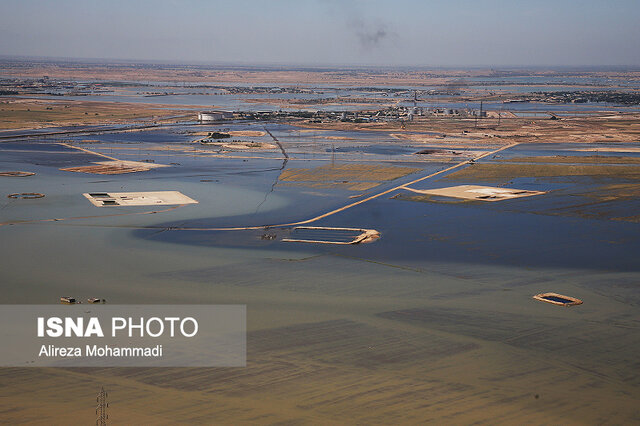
x=101, y=408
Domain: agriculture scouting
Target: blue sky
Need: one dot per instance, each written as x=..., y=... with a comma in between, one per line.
x=317, y=32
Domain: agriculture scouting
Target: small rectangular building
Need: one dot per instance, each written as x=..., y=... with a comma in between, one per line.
x=153, y=198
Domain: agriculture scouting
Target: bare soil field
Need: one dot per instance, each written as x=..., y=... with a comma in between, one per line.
x=36, y=113
x=191, y=73
x=489, y=132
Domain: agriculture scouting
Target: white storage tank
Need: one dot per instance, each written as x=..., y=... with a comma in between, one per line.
x=214, y=115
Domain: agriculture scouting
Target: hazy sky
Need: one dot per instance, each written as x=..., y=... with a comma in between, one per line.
x=400, y=32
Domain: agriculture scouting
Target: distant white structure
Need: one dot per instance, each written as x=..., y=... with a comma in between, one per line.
x=214, y=115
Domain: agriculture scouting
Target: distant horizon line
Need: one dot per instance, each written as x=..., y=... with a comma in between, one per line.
x=231, y=64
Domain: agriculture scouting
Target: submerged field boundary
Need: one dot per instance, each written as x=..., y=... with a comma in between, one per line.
x=87, y=151
x=283, y=225
x=75, y=131
x=20, y=222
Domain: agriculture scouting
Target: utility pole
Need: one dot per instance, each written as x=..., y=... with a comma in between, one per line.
x=333, y=155
x=101, y=408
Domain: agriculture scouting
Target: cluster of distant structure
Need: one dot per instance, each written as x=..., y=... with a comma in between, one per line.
x=579, y=97
x=386, y=114
x=48, y=86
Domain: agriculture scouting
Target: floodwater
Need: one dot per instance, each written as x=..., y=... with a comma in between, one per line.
x=440, y=307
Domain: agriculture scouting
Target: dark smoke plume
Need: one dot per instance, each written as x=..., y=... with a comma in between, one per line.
x=370, y=35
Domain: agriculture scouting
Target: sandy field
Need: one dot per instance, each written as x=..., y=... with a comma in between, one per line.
x=36, y=113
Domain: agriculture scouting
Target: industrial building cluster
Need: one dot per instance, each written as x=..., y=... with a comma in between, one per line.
x=396, y=113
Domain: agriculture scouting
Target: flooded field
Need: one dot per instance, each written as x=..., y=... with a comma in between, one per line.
x=432, y=321
x=319, y=213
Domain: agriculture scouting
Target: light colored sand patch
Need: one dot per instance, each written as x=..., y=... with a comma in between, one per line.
x=557, y=299
x=104, y=169
x=154, y=198
x=501, y=114
x=335, y=138
x=476, y=192
x=241, y=145
x=115, y=167
x=16, y=174
x=247, y=133
x=126, y=163
x=469, y=139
